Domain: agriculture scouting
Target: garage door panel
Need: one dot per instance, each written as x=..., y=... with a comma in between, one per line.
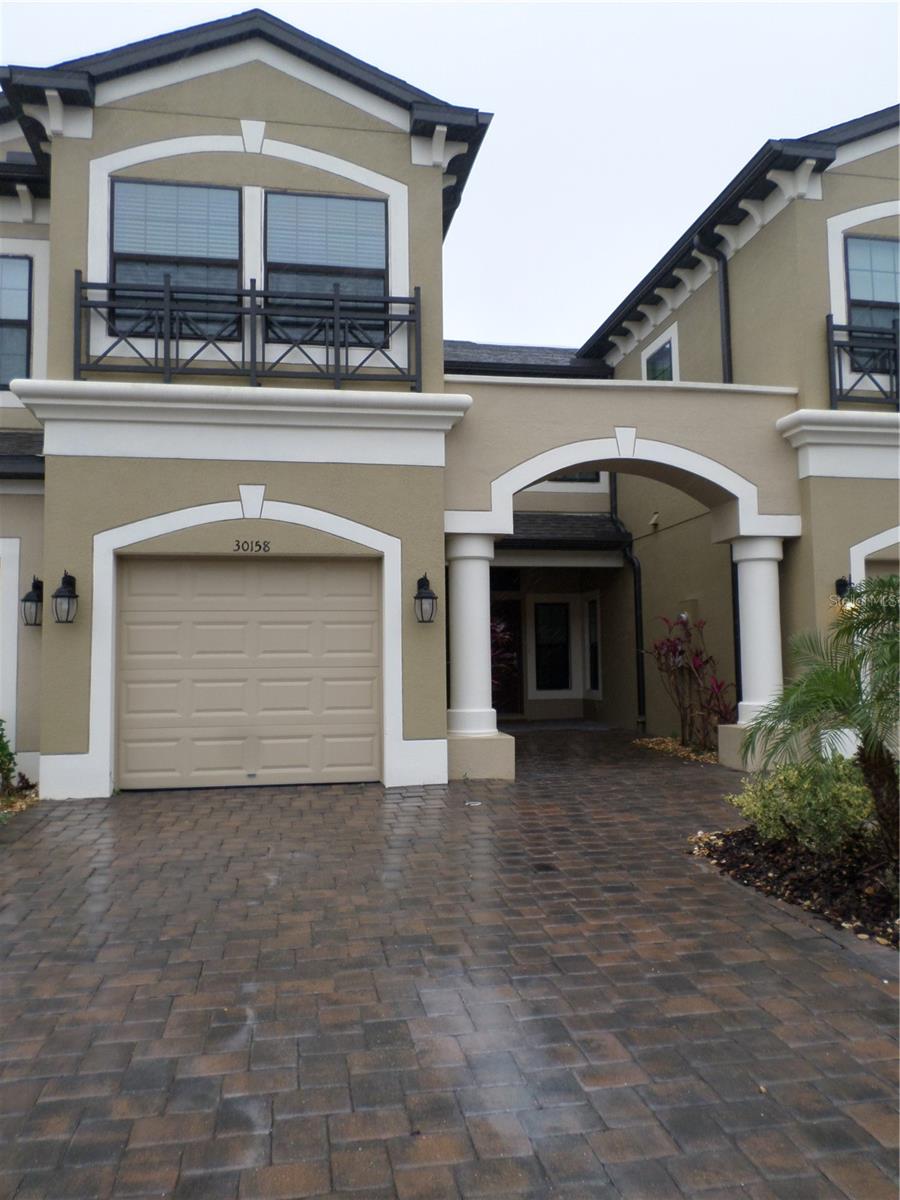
x=161, y=698
x=249, y=671
x=285, y=641
x=148, y=642
x=348, y=695
x=285, y=698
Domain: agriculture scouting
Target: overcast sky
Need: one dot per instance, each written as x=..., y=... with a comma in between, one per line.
x=615, y=125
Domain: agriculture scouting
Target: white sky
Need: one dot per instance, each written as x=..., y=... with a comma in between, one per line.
x=615, y=124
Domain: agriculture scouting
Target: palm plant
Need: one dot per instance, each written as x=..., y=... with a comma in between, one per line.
x=847, y=684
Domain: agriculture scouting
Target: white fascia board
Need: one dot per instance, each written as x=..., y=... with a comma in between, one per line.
x=253, y=50
x=613, y=385
x=873, y=144
x=129, y=420
x=838, y=444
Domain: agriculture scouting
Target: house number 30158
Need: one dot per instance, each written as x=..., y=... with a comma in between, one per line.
x=240, y=547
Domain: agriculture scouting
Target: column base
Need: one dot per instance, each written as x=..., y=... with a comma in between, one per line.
x=488, y=756
x=477, y=722
x=731, y=740
x=748, y=709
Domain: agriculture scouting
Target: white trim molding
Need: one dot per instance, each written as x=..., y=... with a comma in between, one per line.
x=863, y=147
x=625, y=445
x=871, y=545
x=669, y=334
x=228, y=423
x=253, y=50
x=9, y=634
x=837, y=226
x=39, y=253
x=837, y=444
x=81, y=776
x=248, y=141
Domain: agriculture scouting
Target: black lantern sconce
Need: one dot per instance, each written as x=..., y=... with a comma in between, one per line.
x=843, y=597
x=65, y=600
x=33, y=603
x=425, y=602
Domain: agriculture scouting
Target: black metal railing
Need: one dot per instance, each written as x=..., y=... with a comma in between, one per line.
x=862, y=365
x=178, y=330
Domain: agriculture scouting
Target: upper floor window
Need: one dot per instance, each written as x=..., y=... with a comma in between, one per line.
x=316, y=243
x=873, y=281
x=15, y=318
x=659, y=363
x=186, y=231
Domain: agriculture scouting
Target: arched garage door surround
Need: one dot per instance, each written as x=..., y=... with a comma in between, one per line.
x=626, y=447
x=81, y=776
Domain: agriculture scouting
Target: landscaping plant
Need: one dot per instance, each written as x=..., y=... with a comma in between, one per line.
x=823, y=805
x=7, y=765
x=846, y=686
x=688, y=674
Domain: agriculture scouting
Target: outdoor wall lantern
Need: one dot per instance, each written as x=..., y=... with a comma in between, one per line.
x=842, y=586
x=425, y=601
x=65, y=600
x=33, y=602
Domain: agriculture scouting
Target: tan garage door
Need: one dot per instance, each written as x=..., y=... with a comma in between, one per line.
x=249, y=671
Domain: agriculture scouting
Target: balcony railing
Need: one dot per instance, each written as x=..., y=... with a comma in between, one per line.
x=862, y=365
x=176, y=331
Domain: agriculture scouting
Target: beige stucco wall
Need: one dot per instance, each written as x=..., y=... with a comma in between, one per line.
x=21, y=516
x=837, y=514
x=512, y=422
x=683, y=570
x=215, y=104
x=85, y=496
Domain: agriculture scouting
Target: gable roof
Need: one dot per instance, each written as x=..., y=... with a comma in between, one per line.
x=752, y=182
x=76, y=81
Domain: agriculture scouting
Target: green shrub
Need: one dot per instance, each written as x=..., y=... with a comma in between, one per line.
x=7, y=764
x=823, y=805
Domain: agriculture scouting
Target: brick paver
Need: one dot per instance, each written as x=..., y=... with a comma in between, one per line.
x=483, y=990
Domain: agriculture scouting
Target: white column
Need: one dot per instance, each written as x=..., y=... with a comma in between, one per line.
x=469, y=557
x=762, y=677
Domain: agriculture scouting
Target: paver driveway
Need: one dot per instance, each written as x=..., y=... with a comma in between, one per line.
x=298, y=992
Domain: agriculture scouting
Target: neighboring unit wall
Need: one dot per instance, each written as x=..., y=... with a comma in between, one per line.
x=837, y=514
x=21, y=521
x=781, y=290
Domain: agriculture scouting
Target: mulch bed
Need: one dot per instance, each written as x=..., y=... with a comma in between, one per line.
x=672, y=746
x=850, y=892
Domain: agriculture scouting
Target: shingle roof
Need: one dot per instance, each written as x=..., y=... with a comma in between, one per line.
x=21, y=453
x=77, y=78
x=490, y=358
x=565, y=531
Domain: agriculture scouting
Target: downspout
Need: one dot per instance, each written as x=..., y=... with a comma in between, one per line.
x=635, y=564
x=724, y=305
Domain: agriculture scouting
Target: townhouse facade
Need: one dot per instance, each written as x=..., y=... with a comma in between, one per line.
x=261, y=524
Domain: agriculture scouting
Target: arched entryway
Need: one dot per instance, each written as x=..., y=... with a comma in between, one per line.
x=756, y=541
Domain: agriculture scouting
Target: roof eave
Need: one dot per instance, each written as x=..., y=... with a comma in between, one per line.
x=767, y=157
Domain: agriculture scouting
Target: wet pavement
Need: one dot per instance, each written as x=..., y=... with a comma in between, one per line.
x=483, y=990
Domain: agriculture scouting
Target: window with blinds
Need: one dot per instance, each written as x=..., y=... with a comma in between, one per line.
x=15, y=318
x=188, y=232
x=317, y=245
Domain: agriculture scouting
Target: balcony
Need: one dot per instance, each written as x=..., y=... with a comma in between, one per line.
x=249, y=334
x=862, y=365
